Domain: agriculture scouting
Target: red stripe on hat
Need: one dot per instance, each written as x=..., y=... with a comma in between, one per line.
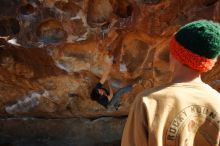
x=189, y=58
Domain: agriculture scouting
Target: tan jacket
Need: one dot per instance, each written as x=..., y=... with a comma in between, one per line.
x=181, y=114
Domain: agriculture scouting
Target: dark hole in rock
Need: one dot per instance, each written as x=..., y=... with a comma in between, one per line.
x=1, y=49
x=151, y=1
x=69, y=7
x=123, y=9
x=15, y=27
x=99, y=12
x=7, y=7
x=209, y=2
x=51, y=31
x=8, y=3
x=53, y=35
x=9, y=26
x=78, y=55
x=26, y=9
x=6, y=144
x=37, y=2
x=3, y=29
x=72, y=95
x=69, y=107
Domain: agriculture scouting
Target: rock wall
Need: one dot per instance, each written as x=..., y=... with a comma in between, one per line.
x=61, y=132
x=53, y=52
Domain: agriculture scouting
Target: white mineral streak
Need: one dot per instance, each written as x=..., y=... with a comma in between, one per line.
x=123, y=67
x=13, y=41
x=27, y=103
x=63, y=66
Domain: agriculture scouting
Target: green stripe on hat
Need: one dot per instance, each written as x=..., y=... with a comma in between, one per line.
x=201, y=37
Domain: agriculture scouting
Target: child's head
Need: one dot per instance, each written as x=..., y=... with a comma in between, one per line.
x=99, y=93
x=197, y=45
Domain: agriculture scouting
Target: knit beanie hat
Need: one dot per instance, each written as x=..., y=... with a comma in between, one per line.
x=197, y=44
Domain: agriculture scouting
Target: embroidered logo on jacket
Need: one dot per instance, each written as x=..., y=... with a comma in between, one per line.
x=194, y=125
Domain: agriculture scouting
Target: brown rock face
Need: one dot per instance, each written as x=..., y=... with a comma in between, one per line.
x=99, y=12
x=51, y=31
x=26, y=9
x=53, y=52
x=60, y=132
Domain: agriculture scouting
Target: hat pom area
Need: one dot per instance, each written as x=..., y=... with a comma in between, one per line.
x=197, y=44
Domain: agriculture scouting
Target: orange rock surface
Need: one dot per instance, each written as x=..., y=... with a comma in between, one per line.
x=58, y=52
x=53, y=52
